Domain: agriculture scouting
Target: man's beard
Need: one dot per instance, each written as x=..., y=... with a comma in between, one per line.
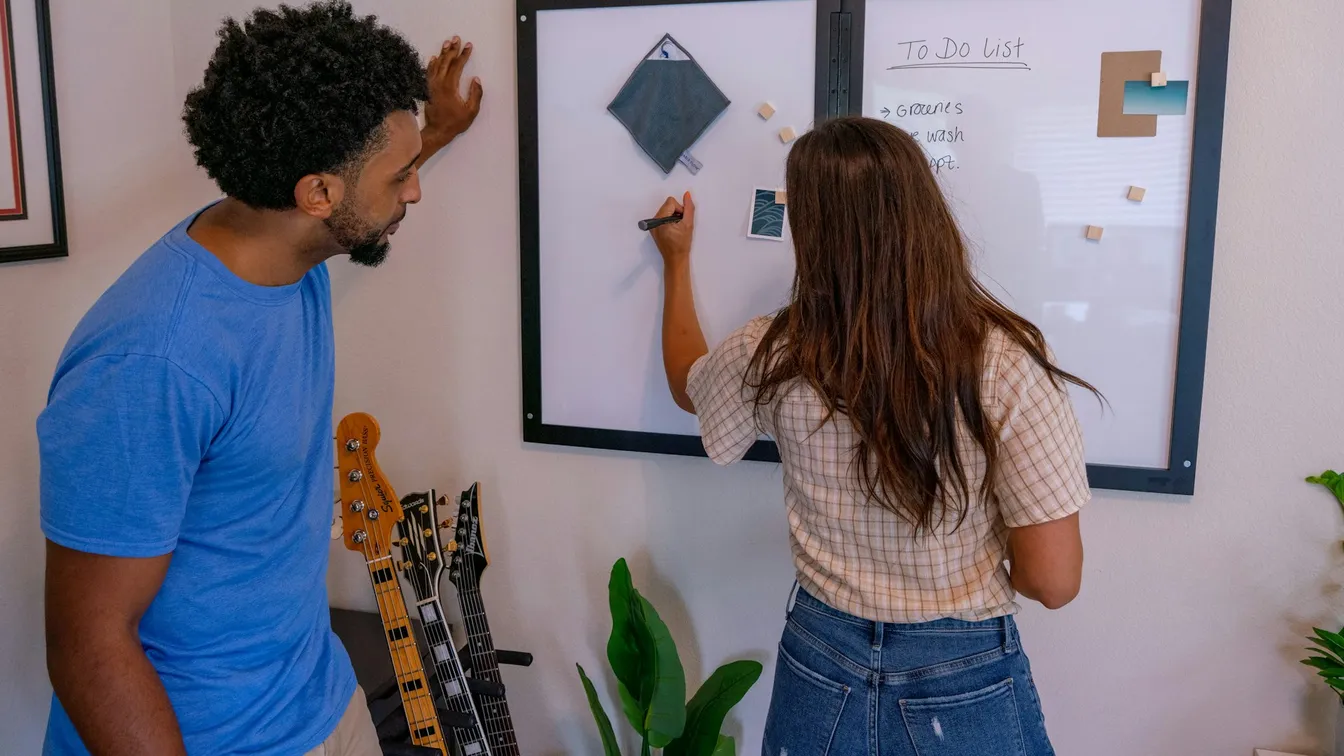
x=364, y=244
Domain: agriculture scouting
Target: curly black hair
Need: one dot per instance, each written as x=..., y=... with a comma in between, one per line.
x=296, y=91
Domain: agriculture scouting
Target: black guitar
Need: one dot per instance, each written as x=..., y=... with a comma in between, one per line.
x=468, y=559
x=422, y=567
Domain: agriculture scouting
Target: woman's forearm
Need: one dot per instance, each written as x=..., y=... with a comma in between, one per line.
x=683, y=341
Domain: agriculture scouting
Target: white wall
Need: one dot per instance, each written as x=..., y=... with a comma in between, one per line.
x=1186, y=636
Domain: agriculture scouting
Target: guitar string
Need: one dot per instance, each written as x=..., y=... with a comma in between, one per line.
x=499, y=725
x=387, y=607
x=473, y=611
x=414, y=707
x=475, y=733
x=479, y=659
x=403, y=667
x=434, y=633
x=502, y=721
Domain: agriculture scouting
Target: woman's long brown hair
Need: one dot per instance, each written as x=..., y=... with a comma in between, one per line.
x=888, y=323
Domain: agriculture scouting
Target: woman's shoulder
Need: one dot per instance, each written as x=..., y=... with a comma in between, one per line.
x=1006, y=355
x=750, y=335
x=1010, y=368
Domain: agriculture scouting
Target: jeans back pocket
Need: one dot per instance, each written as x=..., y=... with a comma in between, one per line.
x=980, y=723
x=805, y=709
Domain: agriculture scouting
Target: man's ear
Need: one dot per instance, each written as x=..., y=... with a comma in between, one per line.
x=318, y=194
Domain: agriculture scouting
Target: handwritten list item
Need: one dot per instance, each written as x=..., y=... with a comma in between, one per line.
x=929, y=124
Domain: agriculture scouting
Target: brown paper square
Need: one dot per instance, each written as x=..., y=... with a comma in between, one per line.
x=1116, y=69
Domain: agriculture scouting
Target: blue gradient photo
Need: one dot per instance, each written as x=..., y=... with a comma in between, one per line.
x=1142, y=98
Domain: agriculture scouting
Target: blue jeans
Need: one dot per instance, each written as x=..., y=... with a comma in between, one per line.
x=845, y=685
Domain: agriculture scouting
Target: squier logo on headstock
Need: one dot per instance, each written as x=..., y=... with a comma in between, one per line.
x=370, y=511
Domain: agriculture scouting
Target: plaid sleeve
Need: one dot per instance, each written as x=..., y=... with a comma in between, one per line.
x=723, y=403
x=1042, y=473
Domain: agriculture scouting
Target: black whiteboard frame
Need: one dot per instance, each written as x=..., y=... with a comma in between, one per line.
x=1178, y=478
x=535, y=429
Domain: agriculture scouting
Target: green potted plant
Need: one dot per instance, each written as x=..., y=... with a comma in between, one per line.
x=652, y=683
x=1327, y=651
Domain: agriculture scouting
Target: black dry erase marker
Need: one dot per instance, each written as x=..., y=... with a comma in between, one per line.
x=653, y=223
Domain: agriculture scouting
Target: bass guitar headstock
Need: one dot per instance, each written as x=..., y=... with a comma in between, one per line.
x=369, y=506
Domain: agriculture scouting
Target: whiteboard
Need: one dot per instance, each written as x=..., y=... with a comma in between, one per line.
x=1026, y=174
x=1005, y=97
x=600, y=276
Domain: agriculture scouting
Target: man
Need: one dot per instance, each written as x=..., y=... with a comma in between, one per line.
x=186, y=448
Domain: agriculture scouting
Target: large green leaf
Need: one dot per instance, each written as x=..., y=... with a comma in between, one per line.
x=609, y=745
x=644, y=658
x=1322, y=663
x=1333, y=643
x=710, y=706
x=725, y=747
x=634, y=712
x=622, y=646
x=662, y=693
x=1323, y=648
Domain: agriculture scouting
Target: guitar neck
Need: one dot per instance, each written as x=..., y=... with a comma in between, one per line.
x=452, y=680
x=495, y=715
x=416, y=698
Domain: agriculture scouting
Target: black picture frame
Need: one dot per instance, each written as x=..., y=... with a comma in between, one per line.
x=59, y=246
x=839, y=53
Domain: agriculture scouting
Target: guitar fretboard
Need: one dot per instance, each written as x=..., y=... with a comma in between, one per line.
x=416, y=698
x=452, y=680
x=495, y=717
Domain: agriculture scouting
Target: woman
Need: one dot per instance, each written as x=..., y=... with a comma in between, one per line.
x=926, y=436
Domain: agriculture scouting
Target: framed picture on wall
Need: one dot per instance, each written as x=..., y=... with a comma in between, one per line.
x=32, y=206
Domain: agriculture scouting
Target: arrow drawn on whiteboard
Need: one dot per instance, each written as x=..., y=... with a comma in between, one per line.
x=885, y=112
x=988, y=65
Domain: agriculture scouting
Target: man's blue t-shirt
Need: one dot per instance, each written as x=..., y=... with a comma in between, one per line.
x=191, y=412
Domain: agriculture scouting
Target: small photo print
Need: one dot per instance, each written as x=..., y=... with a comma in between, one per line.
x=1142, y=98
x=767, y=216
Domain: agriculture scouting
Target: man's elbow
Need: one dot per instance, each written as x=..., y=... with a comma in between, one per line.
x=73, y=651
x=62, y=659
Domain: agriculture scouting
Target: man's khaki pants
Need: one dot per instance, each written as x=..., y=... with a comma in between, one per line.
x=354, y=735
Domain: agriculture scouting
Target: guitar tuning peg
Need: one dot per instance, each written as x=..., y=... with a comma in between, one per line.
x=431, y=556
x=446, y=525
x=451, y=547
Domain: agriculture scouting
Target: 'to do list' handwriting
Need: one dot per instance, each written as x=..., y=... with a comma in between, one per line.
x=1001, y=54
